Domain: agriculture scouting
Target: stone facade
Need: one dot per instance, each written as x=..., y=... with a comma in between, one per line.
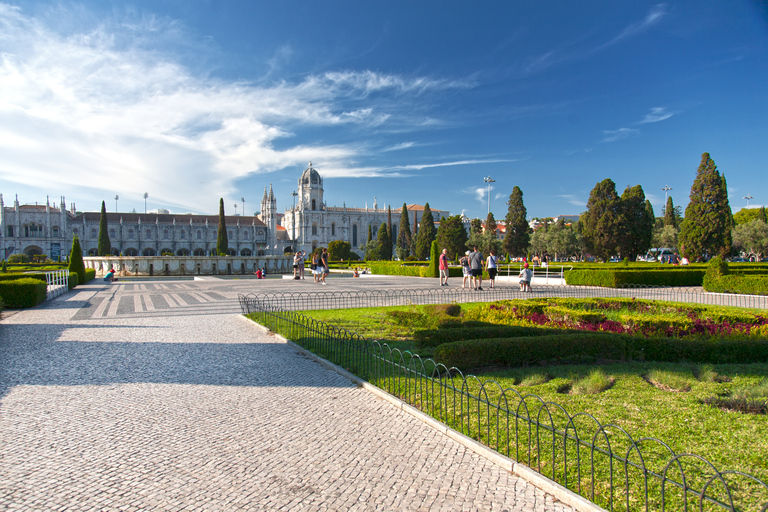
x=311, y=223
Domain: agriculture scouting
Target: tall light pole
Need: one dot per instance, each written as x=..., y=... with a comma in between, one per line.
x=293, y=219
x=235, y=209
x=146, y=195
x=116, y=198
x=748, y=197
x=489, y=180
x=243, y=200
x=666, y=189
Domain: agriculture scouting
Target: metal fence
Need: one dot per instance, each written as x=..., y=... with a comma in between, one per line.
x=294, y=301
x=603, y=463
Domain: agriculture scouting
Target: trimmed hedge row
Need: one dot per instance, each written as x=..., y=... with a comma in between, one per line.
x=614, y=278
x=435, y=337
x=399, y=268
x=40, y=276
x=22, y=293
x=735, y=283
x=512, y=352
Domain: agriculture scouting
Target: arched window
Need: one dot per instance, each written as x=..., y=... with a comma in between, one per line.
x=199, y=252
x=245, y=237
x=199, y=234
x=314, y=205
x=149, y=233
x=354, y=235
x=55, y=231
x=165, y=234
x=229, y=235
x=314, y=229
x=130, y=233
x=333, y=229
x=94, y=232
x=111, y=233
x=183, y=237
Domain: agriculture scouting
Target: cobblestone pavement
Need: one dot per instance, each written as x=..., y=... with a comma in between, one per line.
x=155, y=396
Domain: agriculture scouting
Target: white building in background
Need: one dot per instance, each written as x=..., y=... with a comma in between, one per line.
x=50, y=228
x=311, y=224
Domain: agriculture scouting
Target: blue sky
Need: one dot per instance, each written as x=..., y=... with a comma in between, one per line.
x=401, y=101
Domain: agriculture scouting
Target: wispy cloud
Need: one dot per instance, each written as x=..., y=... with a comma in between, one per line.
x=398, y=147
x=655, y=15
x=657, y=114
x=572, y=199
x=110, y=113
x=621, y=133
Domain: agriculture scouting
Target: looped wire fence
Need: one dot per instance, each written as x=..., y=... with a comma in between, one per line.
x=601, y=462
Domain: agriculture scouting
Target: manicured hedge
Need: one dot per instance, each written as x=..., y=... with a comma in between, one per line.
x=408, y=268
x=435, y=337
x=736, y=283
x=40, y=276
x=22, y=293
x=613, y=278
x=513, y=352
x=90, y=274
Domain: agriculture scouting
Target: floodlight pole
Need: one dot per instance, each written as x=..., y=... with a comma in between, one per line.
x=489, y=180
x=146, y=195
x=293, y=219
x=116, y=198
x=666, y=189
x=748, y=197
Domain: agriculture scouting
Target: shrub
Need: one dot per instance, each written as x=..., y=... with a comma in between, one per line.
x=735, y=283
x=5, y=267
x=435, y=337
x=76, y=264
x=433, y=266
x=22, y=293
x=613, y=278
x=90, y=274
x=18, y=258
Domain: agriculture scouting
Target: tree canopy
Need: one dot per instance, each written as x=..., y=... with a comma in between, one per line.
x=752, y=238
x=451, y=235
x=384, y=243
x=706, y=228
x=518, y=236
x=600, y=223
x=426, y=234
x=76, y=263
x=636, y=221
x=404, y=235
x=104, y=246
x=222, y=242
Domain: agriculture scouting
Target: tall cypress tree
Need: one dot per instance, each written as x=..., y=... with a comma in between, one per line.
x=222, y=243
x=635, y=223
x=600, y=223
x=762, y=215
x=389, y=233
x=404, y=235
x=426, y=235
x=104, y=247
x=518, y=235
x=670, y=219
x=706, y=228
x=490, y=234
x=385, y=244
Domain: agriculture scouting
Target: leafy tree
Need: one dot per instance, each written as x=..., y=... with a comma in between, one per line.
x=426, y=235
x=385, y=244
x=746, y=215
x=339, y=250
x=706, y=228
x=451, y=235
x=671, y=214
x=76, y=263
x=404, y=235
x=518, y=235
x=104, y=247
x=667, y=236
x=559, y=241
x=475, y=227
x=752, y=238
x=600, y=223
x=222, y=243
x=635, y=223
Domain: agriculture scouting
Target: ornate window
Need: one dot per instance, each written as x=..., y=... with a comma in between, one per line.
x=245, y=237
x=354, y=235
x=165, y=234
x=314, y=229
x=130, y=233
x=314, y=205
x=55, y=231
x=94, y=232
x=112, y=233
x=333, y=229
x=183, y=235
x=149, y=233
x=199, y=234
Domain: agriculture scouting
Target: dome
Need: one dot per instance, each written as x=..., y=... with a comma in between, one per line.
x=310, y=177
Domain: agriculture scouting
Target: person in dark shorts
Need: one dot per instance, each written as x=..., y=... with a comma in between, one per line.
x=492, y=266
x=476, y=269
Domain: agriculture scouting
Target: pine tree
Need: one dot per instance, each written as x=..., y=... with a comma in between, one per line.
x=389, y=233
x=706, y=228
x=670, y=219
x=518, y=235
x=222, y=243
x=385, y=245
x=635, y=223
x=451, y=235
x=426, y=235
x=404, y=235
x=490, y=240
x=762, y=216
x=433, y=269
x=475, y=227
x=600, y=223
x=76, y=263
x=104, y=246
x=415, y=233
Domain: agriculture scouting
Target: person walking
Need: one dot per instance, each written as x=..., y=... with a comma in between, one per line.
x=324, y=264
x=444, y=268
x=301, y=264
x=476, y=269
x=316, y=267
x=491, y=265
x=465, y=271
x=296, y=258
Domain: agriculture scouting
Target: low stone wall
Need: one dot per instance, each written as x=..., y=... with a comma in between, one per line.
x=188, y=265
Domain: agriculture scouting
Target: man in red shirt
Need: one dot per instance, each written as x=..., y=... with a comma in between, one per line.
x=444, y=268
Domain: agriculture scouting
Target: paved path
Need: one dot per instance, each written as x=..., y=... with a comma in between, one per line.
x=155, y=396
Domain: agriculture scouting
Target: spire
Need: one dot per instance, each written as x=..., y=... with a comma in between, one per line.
x=265, y=194
x=271, y=194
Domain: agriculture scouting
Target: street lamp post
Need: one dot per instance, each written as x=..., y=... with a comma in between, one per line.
x=235, y=209
x=146, y=195
x=666, y=189
x=489, y=180
x=748, y=197
x=243, y=200
x=116, y=198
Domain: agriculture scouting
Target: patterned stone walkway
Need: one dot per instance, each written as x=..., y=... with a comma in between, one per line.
x=155, y=396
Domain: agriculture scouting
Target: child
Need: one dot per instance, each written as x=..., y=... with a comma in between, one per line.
x=525, y=278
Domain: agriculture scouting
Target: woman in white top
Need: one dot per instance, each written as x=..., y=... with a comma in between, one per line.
x=490, y=264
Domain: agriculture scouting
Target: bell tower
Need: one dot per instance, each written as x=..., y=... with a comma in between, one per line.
x=311, y=190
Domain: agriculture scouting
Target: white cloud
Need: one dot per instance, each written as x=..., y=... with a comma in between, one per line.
x=621, y=133
x=572, y=199
x=86, y=109
x=656, y=114
x=655, y=15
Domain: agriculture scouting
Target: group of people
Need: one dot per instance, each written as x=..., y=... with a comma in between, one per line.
x=473, y=264
x=318, y=265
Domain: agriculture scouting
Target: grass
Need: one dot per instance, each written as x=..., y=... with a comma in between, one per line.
x=709, y=410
